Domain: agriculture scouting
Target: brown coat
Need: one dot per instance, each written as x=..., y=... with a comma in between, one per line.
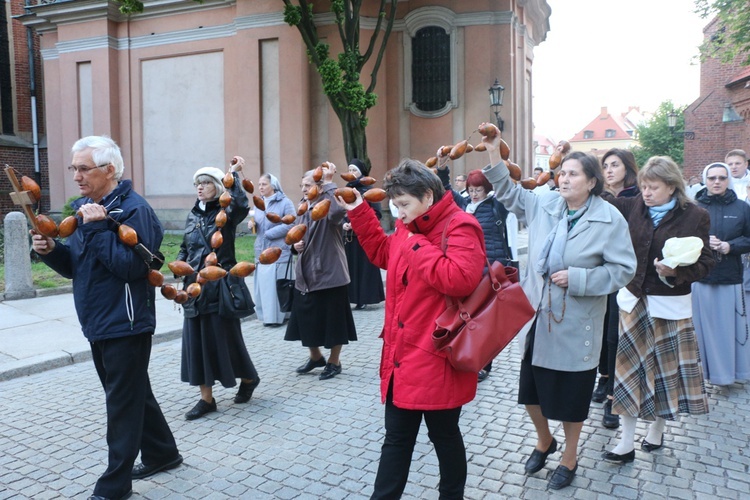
x=322, y=263
x=648, y=242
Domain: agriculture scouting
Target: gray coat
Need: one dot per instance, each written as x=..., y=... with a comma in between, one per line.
x=599, y=258
x=322, y=263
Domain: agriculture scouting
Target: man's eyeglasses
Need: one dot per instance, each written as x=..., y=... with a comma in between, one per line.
x=84, y=169
x=714, y=178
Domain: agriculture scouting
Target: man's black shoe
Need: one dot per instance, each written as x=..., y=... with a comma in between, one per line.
x=312, y=364
x=142, y=470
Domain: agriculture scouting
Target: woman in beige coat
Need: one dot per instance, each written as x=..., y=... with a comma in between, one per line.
x=573, y=265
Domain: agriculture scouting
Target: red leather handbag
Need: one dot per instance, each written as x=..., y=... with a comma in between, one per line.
x=474, y=330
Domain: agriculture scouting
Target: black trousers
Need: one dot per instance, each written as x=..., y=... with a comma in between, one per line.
x=612, y=332
x=401, y=430
x=134, y=420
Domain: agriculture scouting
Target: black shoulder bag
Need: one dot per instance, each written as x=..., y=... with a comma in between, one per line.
x=285, y=288
x=235, y=300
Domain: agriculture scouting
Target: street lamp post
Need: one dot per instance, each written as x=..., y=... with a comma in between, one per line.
x=672, y=122
x=496, y=102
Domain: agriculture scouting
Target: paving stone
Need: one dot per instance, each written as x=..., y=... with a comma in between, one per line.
x=303, y=438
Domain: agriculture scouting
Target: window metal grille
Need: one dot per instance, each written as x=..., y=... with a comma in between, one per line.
x=430, y=70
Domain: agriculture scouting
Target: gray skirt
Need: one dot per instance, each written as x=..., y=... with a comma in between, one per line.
x=264, y=292
x=722, y=330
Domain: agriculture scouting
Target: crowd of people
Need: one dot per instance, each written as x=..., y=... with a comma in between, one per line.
x=632, y=273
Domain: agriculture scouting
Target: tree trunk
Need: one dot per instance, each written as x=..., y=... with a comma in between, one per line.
x=355, y=137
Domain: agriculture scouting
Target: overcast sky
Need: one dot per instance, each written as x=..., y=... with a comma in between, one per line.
x=614, y=53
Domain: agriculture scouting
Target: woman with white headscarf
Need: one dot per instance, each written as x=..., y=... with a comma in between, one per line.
x=719, y=306
x=270, y=234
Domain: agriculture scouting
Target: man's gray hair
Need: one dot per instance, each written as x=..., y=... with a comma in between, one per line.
x=105, y=151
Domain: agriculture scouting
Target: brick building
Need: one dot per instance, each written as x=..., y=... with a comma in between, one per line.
x=20, y=104
x=720, y=117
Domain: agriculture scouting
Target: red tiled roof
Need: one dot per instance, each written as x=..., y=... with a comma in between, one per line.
x=742, y=75
x=599, y=127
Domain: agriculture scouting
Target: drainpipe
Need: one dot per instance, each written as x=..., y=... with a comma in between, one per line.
x=32, y=92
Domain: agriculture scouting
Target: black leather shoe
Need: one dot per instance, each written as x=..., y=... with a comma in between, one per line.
x=538, y=458
x=609, y=420
x=201, y=409
x=312, y=364
x=330, y=371
x=122, y=497
x=619, y=459
x=482, y=375
x=142, y=470
x=562, y=477
x=245, y=391
x=600, y=392
x=360, y=307
x=646, y=446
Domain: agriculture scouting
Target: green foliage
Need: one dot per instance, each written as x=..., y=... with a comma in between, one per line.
x=656, y=139
x=67, y=210
x=733, y=36
x=130, y=6
x=337, y=7
x=292, y=14
x=349, y=97
x=330, y=74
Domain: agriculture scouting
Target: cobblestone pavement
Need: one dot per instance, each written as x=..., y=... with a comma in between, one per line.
x=300, y=437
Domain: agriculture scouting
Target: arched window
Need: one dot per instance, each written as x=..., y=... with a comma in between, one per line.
x=431, y=69
x=430, y=64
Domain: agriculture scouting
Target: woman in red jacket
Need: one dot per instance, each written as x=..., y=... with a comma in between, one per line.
x=416, y=380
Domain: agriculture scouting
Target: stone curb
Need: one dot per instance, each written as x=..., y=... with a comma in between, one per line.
x=52, y=360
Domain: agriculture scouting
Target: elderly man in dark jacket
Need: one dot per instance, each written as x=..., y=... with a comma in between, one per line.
x=115, y=305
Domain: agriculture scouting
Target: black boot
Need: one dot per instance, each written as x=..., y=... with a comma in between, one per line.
x=609, y=420
x=600, y=392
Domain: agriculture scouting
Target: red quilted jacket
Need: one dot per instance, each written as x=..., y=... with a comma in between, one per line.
x=419, y=277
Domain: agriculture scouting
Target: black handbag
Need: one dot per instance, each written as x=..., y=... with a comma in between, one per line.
x=234, y=298
x=285, y=289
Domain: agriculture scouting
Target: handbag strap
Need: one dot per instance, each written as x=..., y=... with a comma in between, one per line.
x=288, y=272
x=497, y=282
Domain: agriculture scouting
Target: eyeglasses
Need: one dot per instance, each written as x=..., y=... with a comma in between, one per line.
x=84, y=169
x=203, y=183
x=475, y=190
x=715, y=178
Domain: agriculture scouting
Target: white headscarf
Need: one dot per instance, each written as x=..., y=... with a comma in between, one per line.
x=725, y=167
x=274, y=181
